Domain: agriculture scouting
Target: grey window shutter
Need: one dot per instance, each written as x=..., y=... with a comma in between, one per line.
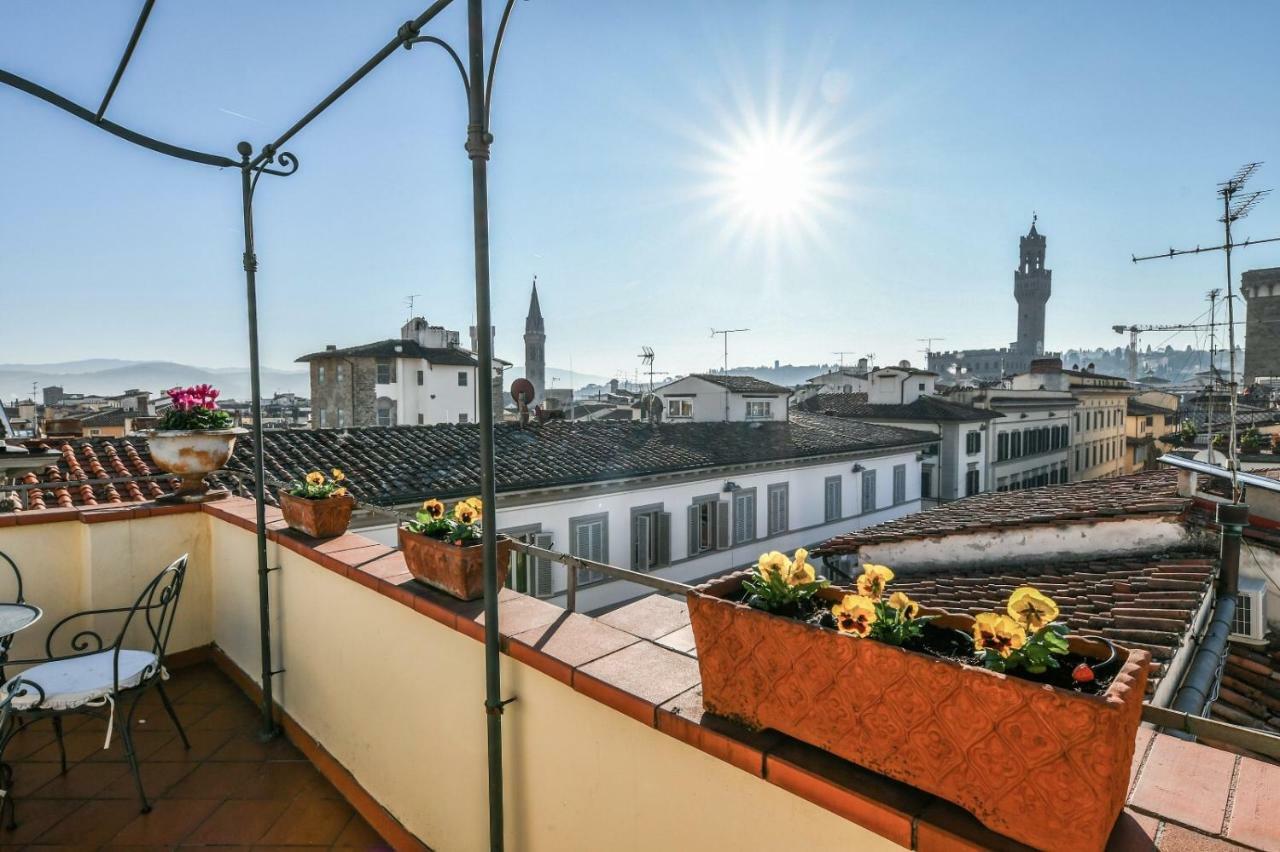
x=722, y=524
x=739, y=518
x=664, y=538
x=694, y=540
x=542, y=580
x=640, y=543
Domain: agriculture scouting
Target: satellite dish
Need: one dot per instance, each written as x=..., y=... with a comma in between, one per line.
x=522, y=388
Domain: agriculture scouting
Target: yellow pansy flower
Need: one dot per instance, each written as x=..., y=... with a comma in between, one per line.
x=1033, y=610
x=434, y=508
x=854, y=615
x=465, y=513
x=774, y=562
x=338, y=475
x=315, y=477
x=339, y=492
x=1000, y=633
x=904, y=604
x=801, y=570
x=873, y=580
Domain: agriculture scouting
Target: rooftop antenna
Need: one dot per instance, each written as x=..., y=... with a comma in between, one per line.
x=842, y=354
x=408, y=300
x=1236, y=205
x=725, y=332
x=646, y=360
x=928, y=341
x=871, y=361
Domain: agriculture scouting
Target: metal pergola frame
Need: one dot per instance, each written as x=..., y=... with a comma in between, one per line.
x=477, y=80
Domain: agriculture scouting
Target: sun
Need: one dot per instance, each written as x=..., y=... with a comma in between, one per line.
x=770, y=177
x=774, y=184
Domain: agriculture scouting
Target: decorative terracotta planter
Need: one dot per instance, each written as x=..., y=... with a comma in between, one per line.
x=325, y=518
x=192, y=454
x=457, y=571
x=1041, y=765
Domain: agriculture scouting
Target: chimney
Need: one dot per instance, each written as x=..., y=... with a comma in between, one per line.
x=331, y=347
x=862, y=364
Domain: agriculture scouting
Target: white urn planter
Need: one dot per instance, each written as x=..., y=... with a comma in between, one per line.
x=192, y=454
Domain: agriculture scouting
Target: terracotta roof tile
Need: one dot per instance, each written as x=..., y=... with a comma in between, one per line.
x=1150, y=493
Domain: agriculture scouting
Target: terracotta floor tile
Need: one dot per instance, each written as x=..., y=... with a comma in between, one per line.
x=230, y=717
x=649, y=618
x=93, y=824
x=241, y=821
x=1175, y=838
x=1255, y=812
x=81, y=781
x=310, y=822
x=247, y=746
x=29, y=776
x=203, y=744
x=1185, y=782
x=359, y=835
x=213, y=781
x=35, y=818
x=170, y=821
x=157, y=778
x=644, y=670
x=280, y=780
x=576, y=639
x=680, y=640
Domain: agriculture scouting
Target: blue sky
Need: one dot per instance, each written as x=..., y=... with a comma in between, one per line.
x=931, y=132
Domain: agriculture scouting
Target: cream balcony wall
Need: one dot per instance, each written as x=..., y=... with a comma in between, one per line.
x=397, y=698
x=70, y=566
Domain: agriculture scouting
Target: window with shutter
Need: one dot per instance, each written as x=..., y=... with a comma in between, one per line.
x=744, y=515
x=832, y=510
x=708, y=525
x=779, y=497
x=650, y=537
x=543, y=583
x=868, y=491
x=899, y=483
x=722, y=524
x=589, y=539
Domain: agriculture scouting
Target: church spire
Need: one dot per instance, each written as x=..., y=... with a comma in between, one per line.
x=533, y=322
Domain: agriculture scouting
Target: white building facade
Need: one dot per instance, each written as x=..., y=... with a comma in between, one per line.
x=716, y=398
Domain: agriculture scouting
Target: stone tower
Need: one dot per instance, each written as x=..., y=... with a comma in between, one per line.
x=1261, y=290
x=535, y=348
x=1031, y=287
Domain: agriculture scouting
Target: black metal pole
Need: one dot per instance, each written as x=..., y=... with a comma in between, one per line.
x=478, y=140
x=269, y=727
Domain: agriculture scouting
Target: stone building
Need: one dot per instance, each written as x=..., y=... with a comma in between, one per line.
x=535, y=348
x=1097, y=434
x=1261, y=290
x=1032, y=286
x=422, y=377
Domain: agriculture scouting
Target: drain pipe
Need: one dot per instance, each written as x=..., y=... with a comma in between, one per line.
x=1205, y=671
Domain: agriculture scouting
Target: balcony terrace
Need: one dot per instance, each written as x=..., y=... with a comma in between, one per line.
x=381, y=702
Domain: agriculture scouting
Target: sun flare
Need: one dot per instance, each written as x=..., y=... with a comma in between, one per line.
x=770, y=177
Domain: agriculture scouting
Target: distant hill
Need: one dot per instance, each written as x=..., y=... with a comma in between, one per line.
x=109, y=376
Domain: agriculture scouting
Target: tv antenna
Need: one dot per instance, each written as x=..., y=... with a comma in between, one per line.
x=871, y=361
x=842, y=354
x=646, y=360
x=408, y=300
x=928, y=341
x=1236, y=205
x=725, y=332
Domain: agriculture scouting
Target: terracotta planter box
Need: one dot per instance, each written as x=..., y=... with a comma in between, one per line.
x=454, y=570
x=317, y=518
x=1041, y=765
x=192, y=454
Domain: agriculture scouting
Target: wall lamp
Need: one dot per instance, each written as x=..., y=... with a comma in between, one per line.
x=730, y=487
x=857, y=468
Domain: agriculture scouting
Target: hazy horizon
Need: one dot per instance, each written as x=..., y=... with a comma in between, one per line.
x=833, y=176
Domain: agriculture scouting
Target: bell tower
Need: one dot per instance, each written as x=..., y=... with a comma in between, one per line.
x=1032, y=285
x=535, y=348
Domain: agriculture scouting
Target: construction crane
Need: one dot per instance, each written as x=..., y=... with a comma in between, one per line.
x=1134, y=330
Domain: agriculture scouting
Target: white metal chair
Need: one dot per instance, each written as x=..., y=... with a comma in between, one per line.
x=98, y=675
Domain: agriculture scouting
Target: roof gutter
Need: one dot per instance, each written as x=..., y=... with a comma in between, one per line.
x=1200, y=686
